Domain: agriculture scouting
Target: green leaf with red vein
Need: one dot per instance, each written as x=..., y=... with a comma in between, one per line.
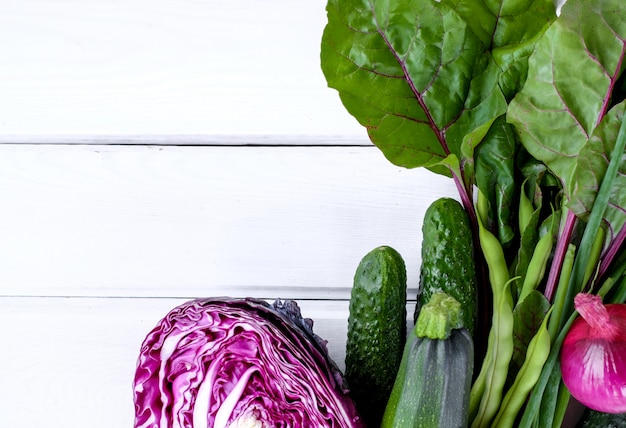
x=527, y=317
x=415, y=75
x=572, y=74
x=591, y=169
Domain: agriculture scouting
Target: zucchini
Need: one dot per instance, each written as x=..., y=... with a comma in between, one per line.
x=448, y=263
x=376, y=331
x=433, y=384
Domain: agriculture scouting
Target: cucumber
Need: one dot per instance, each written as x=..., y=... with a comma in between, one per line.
x=376, y=331
x=448, y=263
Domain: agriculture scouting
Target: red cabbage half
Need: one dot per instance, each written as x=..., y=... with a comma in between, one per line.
x=224, y=362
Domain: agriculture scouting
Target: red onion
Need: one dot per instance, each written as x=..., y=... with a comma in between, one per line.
x=593, y=355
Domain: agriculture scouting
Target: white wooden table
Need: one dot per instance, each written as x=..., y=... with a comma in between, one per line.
x=154, y=151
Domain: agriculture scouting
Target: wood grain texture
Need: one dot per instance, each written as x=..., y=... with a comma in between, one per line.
x=194, y=221
x=101, y=241
x=251, y=140
x=70, y=362
x=159, y=67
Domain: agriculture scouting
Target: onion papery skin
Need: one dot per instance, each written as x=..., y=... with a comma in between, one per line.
x=221, y=362
x=593, y=362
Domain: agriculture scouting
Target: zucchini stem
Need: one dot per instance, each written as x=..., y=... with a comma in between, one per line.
x=439, y=317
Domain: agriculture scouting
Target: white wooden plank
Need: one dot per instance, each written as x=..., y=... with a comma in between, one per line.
x=191, y=140
x=158, y=67
x=70, y=362
x=196, y=221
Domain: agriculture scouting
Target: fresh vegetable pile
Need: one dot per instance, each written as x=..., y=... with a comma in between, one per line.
x=521, y=104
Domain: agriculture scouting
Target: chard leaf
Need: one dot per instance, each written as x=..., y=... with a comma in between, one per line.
x=591, y=169
x=415, y=75
x=495, y=176
x=571, y=75
x=510, y=28
x=527, y=318
x=500, y=23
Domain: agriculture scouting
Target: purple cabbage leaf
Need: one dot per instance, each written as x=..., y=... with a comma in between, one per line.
x=224, y=362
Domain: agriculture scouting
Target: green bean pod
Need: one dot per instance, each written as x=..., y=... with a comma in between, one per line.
x=526, y=210
x=501, y=352
x=537, y=265
x=479, y=385
x=492, y=250
x=536, y=356
x=486, y=393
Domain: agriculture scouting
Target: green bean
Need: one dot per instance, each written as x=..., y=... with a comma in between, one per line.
x=526, y=210
x=537, y=265
x=501, y=353
x=478, y=387
x=492, y=249
x=482, y=208
x=547, y=378
x=495, y=367
x=536, y=356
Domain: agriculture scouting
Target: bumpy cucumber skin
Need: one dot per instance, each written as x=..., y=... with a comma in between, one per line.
x=448, y=262
x=376, y=331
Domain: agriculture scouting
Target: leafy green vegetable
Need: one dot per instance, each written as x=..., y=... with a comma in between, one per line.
x=591, y=169
x=570, y=78
x=438, y=74
x=495, y=175
x=527, y=317
x=431, y=87
x=528, y=107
